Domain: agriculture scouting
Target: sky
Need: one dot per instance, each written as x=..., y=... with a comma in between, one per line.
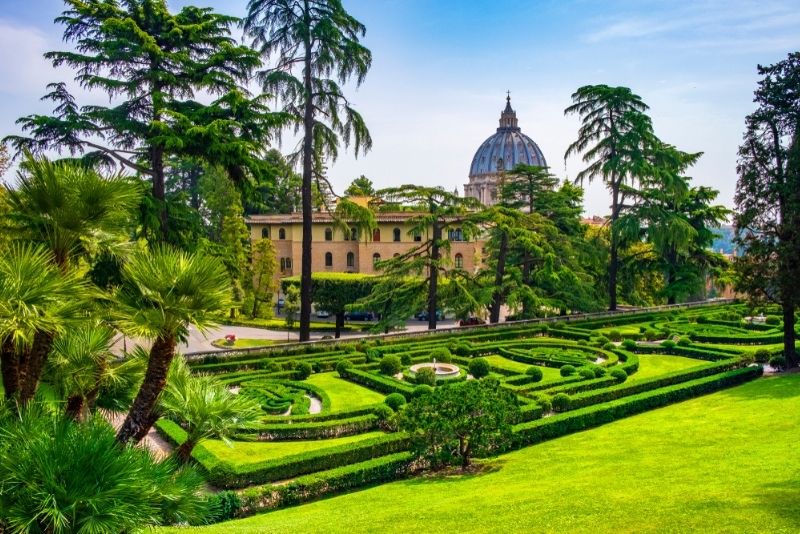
x=441, y=69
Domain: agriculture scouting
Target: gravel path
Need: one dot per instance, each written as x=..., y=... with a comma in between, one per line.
x=153, y=441
x=316, y=404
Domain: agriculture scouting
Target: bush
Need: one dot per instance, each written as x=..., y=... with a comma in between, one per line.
x=373, y=355
x=772, y=320
x=479, y=367
x=462, y=349
x=615, y=335
x=668, y=344
x=567, y=370
x=535, y=373
x=316, y=366
x=777, y=362
x=390, y=365
x=762, y=355
x=609, y=346
x=587, y=373
x=405, y=359
x=426, y=376
x=599, y=372
x=545, y=402
x=619, y=375
x=342, y=365
x=684, y=341
x=582, y=342
x=442, y=355
x=224, y=506
x=702, y=319
x=420, y=390
x=302, y=371
x=651, y=335
x=602, y=340
x=629, y=344
x=383, y=411
x=561, y=402
x=394, y=401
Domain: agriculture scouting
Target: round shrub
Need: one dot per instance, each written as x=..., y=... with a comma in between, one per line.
x=349, y=348
x=561, y=402
x=582, y=342
x=373, y=355
x=426, y=376
x=394, y=401
x=668, y=344
x=762, y=355
x=602, y=340
x=702, y=319
x=772, y=320
x=545, y=402
x=383, y=412
x=420, y=390
x=442, y=355
x=618, y=374
x=609, y=346
x=479, y=367
x=777, y=362
x=343, y=365
x=651, y=335
x=629, y=344
x=567, y=370
x=535, y=373
x=587, y=373
x=316, y=366
x=599, y=372
x=544, y=329
x=462, y=349
x=405, y=359
x=390, y=365
x=684, y=341
x=302, y=371
x=615, y=335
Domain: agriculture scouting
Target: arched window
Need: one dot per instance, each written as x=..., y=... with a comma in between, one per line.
x=328, y=234
x=396, y=233
x=376, y=234
x=288, y=264
x=328, y=259
x=375, y=259
x=265, y=232
x=351, y=259
x=283, y=264
x=354, y=234
x=459, y=261
x=281, y=233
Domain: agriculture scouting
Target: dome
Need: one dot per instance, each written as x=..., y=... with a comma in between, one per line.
x=508, y=144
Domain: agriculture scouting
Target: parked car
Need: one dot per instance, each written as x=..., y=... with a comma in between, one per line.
x=359, y=316
x=322, y=314
x=471, y=321
x=423, y=315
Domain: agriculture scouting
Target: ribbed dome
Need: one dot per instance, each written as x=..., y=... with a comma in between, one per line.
x=508, y=145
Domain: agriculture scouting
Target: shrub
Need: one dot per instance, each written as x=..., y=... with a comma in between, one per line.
x=545, y=402
x=373, y=355
x=462, y=349
x=582, y=342
x=316, y=366
x=405, y=358
x=668, y=344
x=599, y=372
x=772, y=320
x=390, y=365
x=762, y=355
x=587, y=373
x=420, y=390
x=602, y=340
x=684, y=341
x=535, y=373
x=615, y=335
x=609, y=346
x=651, y=335
x=619, y=375
x=223, y=506
x=561, y=402
x=349, y=348
x=426, y=376
x=479, y=367
x=383, y=411
x=629, y=344
x=342, y=365
x=702, y=319
x=777, y=362
x=442, y=355
x=302, y=371
x=394, y=401
x=567, y=370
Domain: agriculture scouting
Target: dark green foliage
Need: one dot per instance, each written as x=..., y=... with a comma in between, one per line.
x=390, y=365
x=420, y=390
x=373, y=355
x=668, y=344
x=762, y=355
x=561, y=402
x=383, y=411
x=303, y=370
x=615, y=335
x=224, y=505
x=773, y=320
x=426, y=376
x=405, y=359
x=609, y=346
x=599, y=372
x=545, y=401
x=628, y=344
x=479, y=367
x=618, y=374
x=778, y=362
x=455, y=422
x=395, y=401
x=684, y=341
x=587, y=373
x=441, y=355
x=535, y=373
x=461, y=349
x=567, y=370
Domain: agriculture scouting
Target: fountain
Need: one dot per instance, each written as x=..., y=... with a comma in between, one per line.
x=441, y=370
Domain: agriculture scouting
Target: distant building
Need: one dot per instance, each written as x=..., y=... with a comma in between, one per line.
x=499, y=153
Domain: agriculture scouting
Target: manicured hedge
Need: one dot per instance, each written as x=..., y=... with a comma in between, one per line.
x=378, y=383
x=314, y=430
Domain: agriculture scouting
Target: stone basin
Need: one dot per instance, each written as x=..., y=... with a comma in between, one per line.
x=442, y=370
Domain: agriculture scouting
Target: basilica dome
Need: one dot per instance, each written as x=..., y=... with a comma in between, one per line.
x=501, y=152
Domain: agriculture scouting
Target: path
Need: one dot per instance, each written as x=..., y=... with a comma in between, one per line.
x=316, y=404
x=153, y=441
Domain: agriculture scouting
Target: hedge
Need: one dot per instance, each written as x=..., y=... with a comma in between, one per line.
x=381, y=384
x=313, y=430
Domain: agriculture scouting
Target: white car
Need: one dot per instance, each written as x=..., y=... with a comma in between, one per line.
x=322, y=314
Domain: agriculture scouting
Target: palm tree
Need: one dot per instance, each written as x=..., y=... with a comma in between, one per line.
x=70, y=208
x=37, y=302
x=613, y=129
x=310, y=41
x=204, y=407
x=164, y=291
x=62, y=477
x=80, y=365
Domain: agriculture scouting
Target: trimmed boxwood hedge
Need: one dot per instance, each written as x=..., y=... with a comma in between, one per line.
x=382, y=384
x=312, y=430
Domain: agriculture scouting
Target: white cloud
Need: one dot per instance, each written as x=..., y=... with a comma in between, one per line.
x=22, y=48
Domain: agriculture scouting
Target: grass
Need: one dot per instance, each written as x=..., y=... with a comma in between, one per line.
x=242, y=343
x=702, y=466
x=549, y=374
x=653, y=365
x=280, y=324
x=344, y=395
x=246, y=452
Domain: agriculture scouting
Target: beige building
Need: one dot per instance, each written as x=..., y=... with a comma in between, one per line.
x=334, y=250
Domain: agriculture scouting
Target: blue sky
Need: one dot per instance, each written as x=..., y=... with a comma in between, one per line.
x=441, y=69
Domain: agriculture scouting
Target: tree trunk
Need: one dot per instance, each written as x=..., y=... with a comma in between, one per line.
x=464, y=450
x=497, y=298
x=433, y=273
x=789, y=342
x=308, y=147
x=9, y=363
x=32, y=372
x=184, y=452
x=339, y=324
x=142, y=414
x=159, y=189
x=74, y=407
x=613, y=264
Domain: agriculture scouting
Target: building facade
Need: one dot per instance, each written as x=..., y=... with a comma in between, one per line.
x=501, y=152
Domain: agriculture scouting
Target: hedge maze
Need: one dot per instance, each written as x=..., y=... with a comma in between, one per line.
x=327, y=429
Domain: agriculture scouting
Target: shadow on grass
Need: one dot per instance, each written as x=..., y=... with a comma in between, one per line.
x=780, y=499
x=783, y=386
x=454, y=474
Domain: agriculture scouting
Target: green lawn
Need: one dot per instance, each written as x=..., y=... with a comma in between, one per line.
x=344, y=395
x=622, y=329
x=719, y=463
x=246, y=452
x=548, y=373
x=242, y=343
x=653, y=365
